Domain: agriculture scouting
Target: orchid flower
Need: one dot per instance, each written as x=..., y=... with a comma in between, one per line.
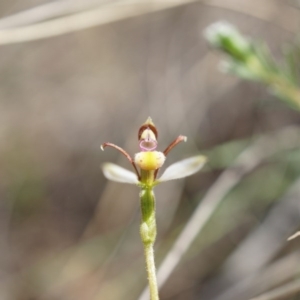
x=146, y=165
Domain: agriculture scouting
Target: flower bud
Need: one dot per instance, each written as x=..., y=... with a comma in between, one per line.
x=149, y=160
x=225, y=36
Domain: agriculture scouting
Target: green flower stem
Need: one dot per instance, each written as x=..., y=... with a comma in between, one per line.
x=148, y=228
x=149, y=255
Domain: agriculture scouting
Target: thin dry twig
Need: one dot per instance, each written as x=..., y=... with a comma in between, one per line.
x=87, y=14
x=249, y=159
x=272, y=276
x=48, y=11
x=294, y=236
x=259, y=248
x=282, y=292
x=98, y=16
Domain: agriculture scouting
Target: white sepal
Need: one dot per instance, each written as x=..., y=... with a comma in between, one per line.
x=183, y=168
x=116, y=173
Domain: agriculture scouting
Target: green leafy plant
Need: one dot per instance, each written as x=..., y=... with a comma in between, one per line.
x=252, y=60
x=146, y=164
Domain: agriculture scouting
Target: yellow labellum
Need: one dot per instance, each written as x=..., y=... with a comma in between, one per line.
x=149, y=160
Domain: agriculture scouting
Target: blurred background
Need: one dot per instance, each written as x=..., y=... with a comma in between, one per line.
x=75, y=74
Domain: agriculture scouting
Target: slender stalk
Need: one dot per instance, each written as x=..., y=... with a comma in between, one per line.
x=148, y=228
x=149, y=255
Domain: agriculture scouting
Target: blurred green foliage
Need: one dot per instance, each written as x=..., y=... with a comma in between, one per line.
x=252, y=60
